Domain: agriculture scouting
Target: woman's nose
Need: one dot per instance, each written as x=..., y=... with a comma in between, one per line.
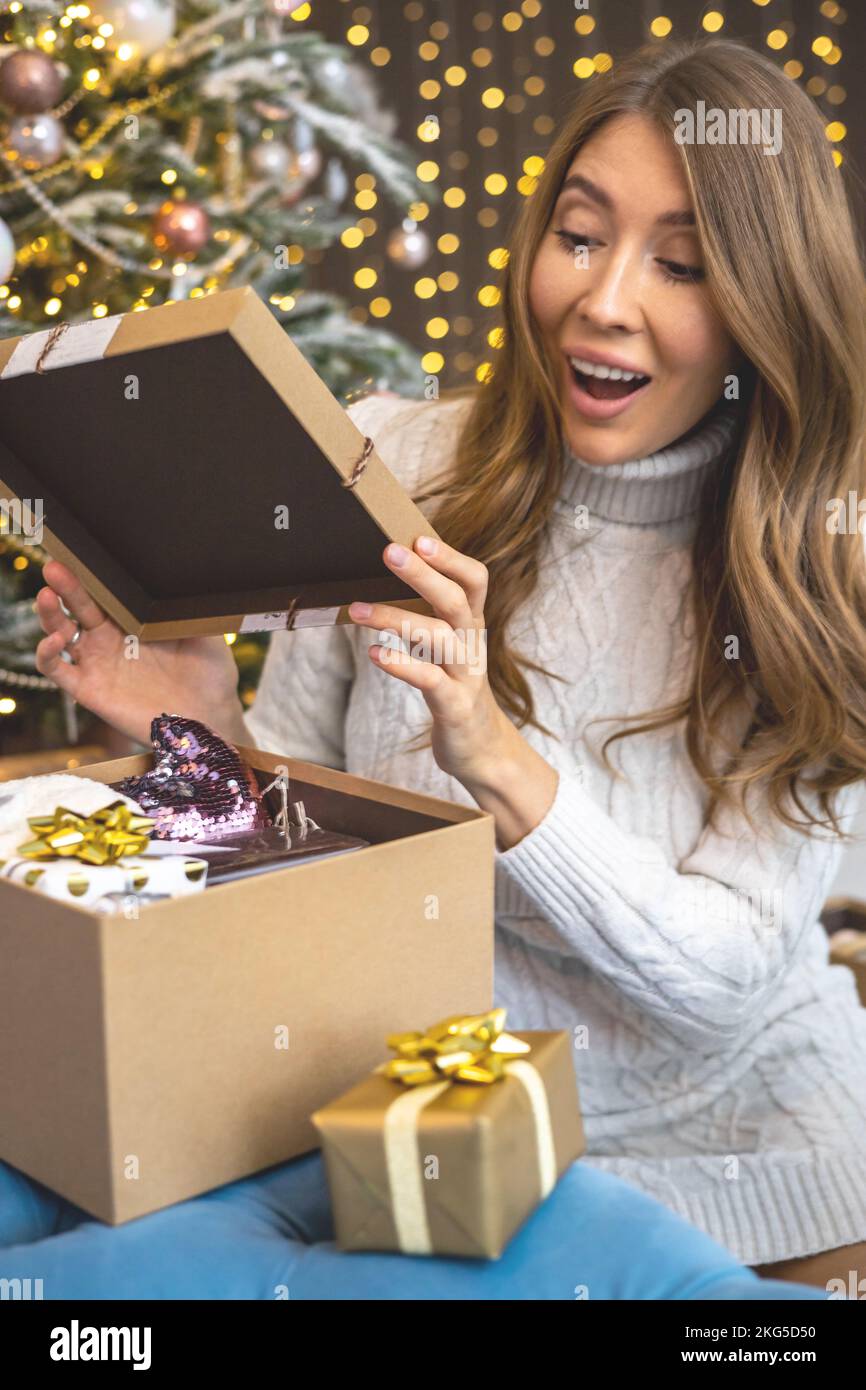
x=611, y=293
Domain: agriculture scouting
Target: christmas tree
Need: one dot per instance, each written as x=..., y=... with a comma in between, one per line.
x=154, y=151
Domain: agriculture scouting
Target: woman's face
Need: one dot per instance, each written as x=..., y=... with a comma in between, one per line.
x=618, y=284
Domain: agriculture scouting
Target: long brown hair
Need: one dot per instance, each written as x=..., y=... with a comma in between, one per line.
x=785, y=274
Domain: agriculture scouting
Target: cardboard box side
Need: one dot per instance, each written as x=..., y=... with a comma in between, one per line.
x=230, y=1021
x=166, y=323
x=854, y=958
x=165, y=630
x=180, y=321
x=53, y=1071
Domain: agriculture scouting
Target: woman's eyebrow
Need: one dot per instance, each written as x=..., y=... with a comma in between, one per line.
x=686, y=218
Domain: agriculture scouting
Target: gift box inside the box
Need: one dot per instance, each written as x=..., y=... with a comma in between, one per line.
x=210, y=483
x=143, y=1062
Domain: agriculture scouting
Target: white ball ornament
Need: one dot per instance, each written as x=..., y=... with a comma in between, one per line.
x=408, y=246
x=336, y=182
x=283, y=8
x=145, y=25
x=269, y=159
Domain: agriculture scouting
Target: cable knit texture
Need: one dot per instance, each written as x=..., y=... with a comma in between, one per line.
x=721, y=1060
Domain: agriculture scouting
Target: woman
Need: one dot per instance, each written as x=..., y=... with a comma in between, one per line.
x=636, y=514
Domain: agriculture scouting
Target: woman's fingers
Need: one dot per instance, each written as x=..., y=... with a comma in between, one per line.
x=430, y=680
x=454, y=585
x=74, y=595
x=413, y=627
x=430, y=638
x=471, y=575
x=50, y=663
x=51, y=616
x=60, y=628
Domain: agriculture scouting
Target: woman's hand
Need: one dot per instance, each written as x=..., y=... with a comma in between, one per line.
x=126, y=683
x=472, y=738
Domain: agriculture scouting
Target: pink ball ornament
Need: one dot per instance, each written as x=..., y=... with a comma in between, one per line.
x=180, y=229
x=29, y=82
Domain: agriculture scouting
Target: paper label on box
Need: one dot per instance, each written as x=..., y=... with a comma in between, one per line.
x=316, y=617
x=305, y=617
x=81, y=342
x=265, y=622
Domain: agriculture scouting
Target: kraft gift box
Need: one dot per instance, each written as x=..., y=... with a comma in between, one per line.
x=190, y=466
x=144, y=1061
x=453, y=1168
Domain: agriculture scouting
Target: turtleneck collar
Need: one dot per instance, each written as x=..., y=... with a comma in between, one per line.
x=662, y=487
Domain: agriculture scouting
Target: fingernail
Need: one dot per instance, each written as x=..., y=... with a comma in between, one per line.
x=426, y=545
x=360, y=610
x=397, y=555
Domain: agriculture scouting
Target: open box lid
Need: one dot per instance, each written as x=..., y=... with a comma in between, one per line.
x=196, y=474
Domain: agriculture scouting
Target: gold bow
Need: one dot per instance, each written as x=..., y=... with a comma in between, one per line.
x=100, y=838
x=470, y=1047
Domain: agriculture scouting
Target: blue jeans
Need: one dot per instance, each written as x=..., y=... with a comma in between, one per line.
x=271, y=1236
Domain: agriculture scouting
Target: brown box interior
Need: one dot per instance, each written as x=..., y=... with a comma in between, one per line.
x=336, y=801
x=170, y=499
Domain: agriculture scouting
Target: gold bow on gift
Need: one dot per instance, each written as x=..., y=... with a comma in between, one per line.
x=100, y=838
x=470, y=1047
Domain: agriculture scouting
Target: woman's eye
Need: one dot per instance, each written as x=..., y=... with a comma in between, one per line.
x=674, y=271
x=680, y=274
x=572, y=241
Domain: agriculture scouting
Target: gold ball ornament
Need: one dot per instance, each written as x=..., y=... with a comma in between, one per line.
x=180, y=229
x=29, y=82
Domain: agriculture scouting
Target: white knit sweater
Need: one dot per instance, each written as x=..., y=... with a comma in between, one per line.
x=721, y=1060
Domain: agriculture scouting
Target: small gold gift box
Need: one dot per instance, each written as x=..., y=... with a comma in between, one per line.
x=449, y=1147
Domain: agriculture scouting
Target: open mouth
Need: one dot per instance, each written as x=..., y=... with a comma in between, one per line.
x=606, y=383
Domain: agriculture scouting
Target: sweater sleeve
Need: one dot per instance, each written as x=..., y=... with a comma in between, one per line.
x=701, y=945
x=303, y=693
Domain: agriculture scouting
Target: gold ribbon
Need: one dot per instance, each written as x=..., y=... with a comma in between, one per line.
x=466, y=1047
x=100, y=838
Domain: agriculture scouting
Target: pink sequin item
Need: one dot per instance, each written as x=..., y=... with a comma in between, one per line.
x=199, y=787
